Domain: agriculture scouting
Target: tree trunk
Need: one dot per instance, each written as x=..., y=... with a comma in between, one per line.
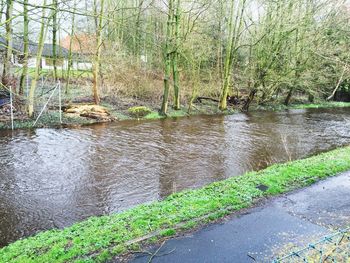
x=54, y=39
x=97, y=60
x=9, y=42
x=25, y=47
x=70, y=55
x=227, y=64
x=42, y=36
x=249, y=100
x=311, y=98
x=167, y=57
x=177, y=105
x=338, y=84
x=137, y=40
x=289, y=96
x=234, y=36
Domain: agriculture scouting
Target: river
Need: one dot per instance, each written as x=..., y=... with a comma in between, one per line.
x=52, y=178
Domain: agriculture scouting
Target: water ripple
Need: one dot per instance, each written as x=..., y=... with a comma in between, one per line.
x=52, y=178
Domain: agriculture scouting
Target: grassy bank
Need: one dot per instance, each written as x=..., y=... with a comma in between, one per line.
x=48, y=120
x=100, y=238
x=320, y=105
x=212, y=109
x=51, y=119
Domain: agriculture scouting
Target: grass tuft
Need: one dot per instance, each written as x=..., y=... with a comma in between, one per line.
x=139, y=111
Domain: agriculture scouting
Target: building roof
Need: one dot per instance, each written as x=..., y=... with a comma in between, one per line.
x=18, y=47
x=82, y=43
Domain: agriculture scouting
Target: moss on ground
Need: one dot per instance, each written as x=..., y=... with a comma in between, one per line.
x=100, y=238
x=139, y=111
x=154, y=115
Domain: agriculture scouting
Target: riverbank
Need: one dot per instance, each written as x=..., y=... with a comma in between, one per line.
x=321, y=105
x=272, y=230
x=98, y=239
x=51, y=118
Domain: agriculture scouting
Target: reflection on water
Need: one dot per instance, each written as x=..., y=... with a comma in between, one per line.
x=52, y=178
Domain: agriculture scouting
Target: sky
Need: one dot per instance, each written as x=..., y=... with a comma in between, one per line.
x=65, y=18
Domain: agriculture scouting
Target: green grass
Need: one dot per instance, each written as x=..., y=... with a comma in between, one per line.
x=213, y=110
x=331, y=104
x=324, y=104
x=183, y=112
x=50, y=119
x=100, y=238
x=139, y=111
x=154, y=115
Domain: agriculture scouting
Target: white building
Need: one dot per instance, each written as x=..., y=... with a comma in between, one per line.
x=79, y=62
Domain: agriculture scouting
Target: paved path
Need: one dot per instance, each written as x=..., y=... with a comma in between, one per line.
x=295, y=218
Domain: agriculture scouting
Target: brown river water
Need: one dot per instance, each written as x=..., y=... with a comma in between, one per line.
x=52, y=178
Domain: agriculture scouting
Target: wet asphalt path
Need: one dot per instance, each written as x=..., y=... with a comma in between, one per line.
x=256, y=235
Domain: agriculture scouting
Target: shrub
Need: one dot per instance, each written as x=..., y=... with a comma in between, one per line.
x=139, y=111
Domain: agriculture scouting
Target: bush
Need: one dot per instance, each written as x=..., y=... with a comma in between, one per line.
x=139, y=111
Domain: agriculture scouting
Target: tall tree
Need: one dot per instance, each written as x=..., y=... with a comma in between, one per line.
x=228, y=57
x=167, y=56
x=25, y=47
x=97, y=57
x=42, y=37
x=54, y=37
x=70, y=53
x=235, y=25
x=176, y=30
x=138, y=24
x=9, y=43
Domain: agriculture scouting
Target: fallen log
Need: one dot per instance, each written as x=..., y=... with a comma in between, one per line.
x=231, y=100
x=199, y=99
x=78, y=109
x=96, y=116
